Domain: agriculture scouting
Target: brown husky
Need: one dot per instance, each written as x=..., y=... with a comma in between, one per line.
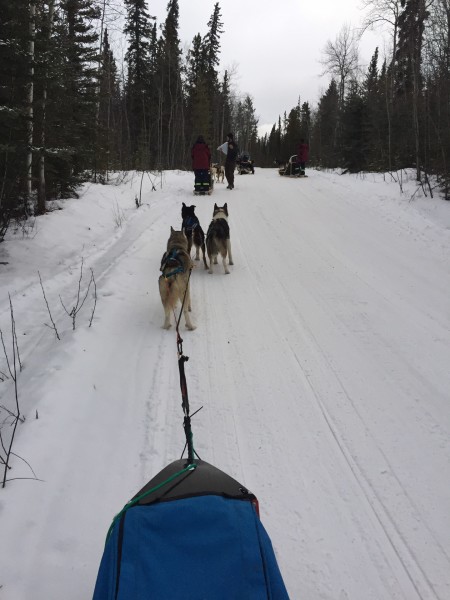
x=218, y=238
x=176, y=266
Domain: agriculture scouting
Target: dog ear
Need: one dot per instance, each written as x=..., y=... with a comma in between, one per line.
x=184, y=205
x=225, y=208
x=171, y=229
x=215, y=206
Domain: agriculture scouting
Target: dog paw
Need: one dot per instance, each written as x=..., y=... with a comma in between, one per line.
x=166, y=326
x=191, y=327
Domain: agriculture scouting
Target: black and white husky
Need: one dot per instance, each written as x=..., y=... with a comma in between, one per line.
x=218, y=238
x=194, y=232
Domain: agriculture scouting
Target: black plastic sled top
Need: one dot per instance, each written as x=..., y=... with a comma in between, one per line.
x=204, y=480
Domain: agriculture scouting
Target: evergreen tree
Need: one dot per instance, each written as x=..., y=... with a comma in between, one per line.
x=249, y=133
x=293, y=131
x=305, y=121
x=73, y=94
x=14, y=65
x=353, y=142
x=374, y=116
x=324, y=144
x=409, y=76
x=171, y=142
x=225, y=108
x=211, y=45
x=137, y=91
x=198, y=96
x=109, y=126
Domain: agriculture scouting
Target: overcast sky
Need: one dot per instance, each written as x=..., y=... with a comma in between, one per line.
x=276, y=45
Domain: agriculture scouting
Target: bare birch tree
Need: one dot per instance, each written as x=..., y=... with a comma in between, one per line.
x=340, y=58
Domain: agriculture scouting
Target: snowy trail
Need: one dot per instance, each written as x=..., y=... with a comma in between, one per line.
x=321, y=363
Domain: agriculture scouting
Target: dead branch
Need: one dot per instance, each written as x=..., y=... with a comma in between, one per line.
x=13, y=371
x=6, y=354
x=48, y=309
x=95, y=297
x=80, y=303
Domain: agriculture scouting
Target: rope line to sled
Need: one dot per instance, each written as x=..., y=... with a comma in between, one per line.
x=133, y=502
x=183, y=384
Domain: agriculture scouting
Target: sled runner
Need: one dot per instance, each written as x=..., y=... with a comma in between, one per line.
x=191, y=532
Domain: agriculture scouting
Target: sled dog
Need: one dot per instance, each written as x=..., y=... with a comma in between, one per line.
x=194, y=233
x=218, y=238
x=218, y=172
x=176, y=265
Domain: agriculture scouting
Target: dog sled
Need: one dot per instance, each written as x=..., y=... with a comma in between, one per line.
x=292, y=168
x=245, y=165
x=204, y=183
x=191, y=532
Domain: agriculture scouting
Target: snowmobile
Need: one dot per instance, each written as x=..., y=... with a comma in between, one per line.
x=204, y=185
x=245, y=165
x=191, y=532
x=292, y=168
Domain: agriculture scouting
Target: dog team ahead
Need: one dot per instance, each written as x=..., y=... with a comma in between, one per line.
x=176, y=263
x=201, y=164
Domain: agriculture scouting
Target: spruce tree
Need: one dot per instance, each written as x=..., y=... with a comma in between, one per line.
x=353, y=142
x=14, y=78
x=72, y=95
x=409, y=76
x=137, y=89
x=171, y=125
x=109, y=129
x=324, y=144
x=211, y=45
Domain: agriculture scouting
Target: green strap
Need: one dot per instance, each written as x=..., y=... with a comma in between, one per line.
x=133, y=502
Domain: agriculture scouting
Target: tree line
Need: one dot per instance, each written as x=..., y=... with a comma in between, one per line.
x=70, y=112
x=394, y=116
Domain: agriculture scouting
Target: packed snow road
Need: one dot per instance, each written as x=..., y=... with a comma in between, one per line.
x=321, y=362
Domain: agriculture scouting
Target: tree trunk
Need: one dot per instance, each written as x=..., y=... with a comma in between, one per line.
x=41, y=186
x=29, y=110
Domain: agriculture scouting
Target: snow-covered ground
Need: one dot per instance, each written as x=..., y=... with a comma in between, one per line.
x=322, y=363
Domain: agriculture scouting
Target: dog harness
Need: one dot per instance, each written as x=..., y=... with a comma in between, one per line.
x=189, y=223
x=172, y=260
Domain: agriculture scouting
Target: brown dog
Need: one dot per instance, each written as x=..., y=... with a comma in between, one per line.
x=174, y=283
